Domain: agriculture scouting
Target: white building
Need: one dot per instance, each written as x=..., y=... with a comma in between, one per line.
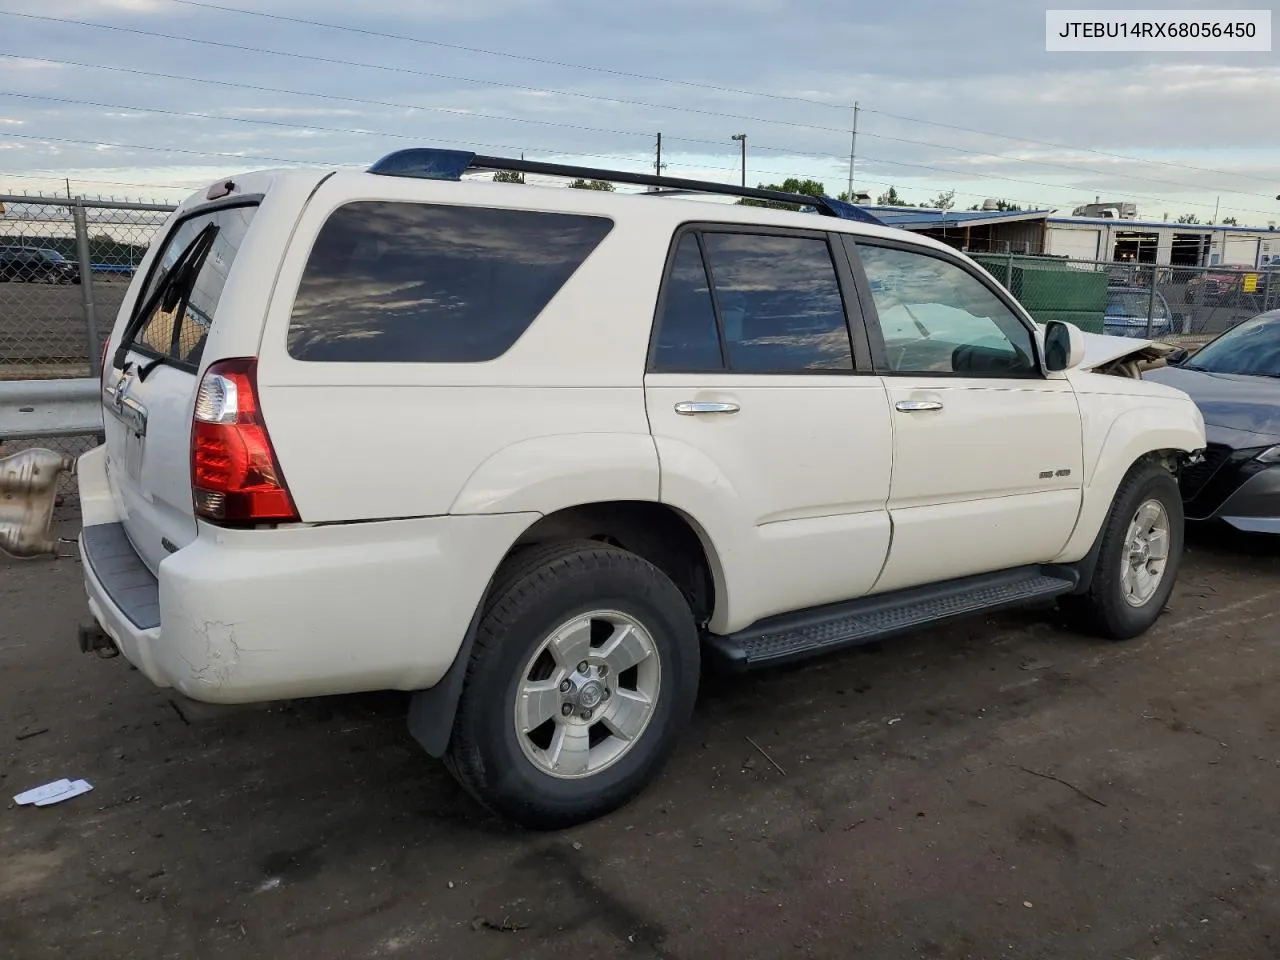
x=1167, y=244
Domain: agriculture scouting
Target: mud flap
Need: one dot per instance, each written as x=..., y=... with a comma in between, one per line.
x=431, y=711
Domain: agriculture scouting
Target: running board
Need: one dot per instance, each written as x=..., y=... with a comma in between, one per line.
x=796, y=636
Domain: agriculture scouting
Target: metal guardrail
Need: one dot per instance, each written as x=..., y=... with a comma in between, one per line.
x=50, y=408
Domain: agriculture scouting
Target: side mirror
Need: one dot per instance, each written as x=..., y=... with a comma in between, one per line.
x=1063, y=346
x=1177, y=357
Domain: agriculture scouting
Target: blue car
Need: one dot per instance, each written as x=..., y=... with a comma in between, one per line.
x=1127, y=310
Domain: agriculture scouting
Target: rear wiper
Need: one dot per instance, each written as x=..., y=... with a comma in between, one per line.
x=144, y=371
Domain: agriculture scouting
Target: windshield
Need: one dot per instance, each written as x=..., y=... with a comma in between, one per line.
x=1251, y=348
x=1135, y=305
x=53, y=255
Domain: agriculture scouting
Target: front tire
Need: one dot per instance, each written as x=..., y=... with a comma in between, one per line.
x=1138, y=559
x=582, y=677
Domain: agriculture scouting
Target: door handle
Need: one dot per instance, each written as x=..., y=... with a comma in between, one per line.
x=913, y=406
x=689, y=408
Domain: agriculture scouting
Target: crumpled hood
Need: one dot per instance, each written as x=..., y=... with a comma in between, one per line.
x=1239, y=410
x=1101, y=350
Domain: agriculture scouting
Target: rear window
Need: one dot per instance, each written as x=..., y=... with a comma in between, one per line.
x=394, y=282
x=179, y=328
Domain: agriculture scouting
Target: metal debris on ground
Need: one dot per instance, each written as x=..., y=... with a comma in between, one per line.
x=506, y=926
x=777, y=766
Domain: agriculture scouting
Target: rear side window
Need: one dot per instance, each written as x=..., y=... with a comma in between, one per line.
x=177, y=326
x=392, y=282
x=773, y=305
x=687, y=338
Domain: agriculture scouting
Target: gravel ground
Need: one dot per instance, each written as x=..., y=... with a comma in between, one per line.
x=994, y=788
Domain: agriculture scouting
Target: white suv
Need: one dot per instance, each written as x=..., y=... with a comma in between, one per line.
x=538, y=454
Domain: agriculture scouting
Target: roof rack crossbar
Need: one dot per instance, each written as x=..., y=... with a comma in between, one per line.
x=451, y=164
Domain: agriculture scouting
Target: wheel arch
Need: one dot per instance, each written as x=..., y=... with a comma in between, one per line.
x=668, y=538
x=1091, y=536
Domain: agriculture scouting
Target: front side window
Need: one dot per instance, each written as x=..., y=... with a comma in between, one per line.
x=395, y=282
x=937, y=318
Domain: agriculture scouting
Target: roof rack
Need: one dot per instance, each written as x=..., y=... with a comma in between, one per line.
x=432, y=164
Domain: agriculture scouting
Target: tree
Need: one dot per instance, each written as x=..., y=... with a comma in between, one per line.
x=890, y=198
x=1188, y=218
x=1231, y=221
x=581, y=184
x=508, y=176
x=943, y=201
x=808, y=188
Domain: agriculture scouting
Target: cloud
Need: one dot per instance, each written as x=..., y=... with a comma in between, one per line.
x=968, y=67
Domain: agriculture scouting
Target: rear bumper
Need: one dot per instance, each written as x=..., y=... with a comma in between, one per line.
x=247, y=616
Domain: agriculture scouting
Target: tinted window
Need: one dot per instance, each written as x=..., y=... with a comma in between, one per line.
x=779, y=302
x=939, y=318
x=183, y=337
x=687, y=337
x=417, y=283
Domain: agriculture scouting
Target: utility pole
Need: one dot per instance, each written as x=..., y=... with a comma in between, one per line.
x=1216, y=201
x=67, y=181
x=742, y=139
x=853, y=146
x=657, y=163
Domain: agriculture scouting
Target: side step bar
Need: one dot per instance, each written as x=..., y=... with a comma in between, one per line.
x=796, y=636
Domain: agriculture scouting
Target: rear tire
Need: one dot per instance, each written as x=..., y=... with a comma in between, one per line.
x=1138, y=560
x=545, y=743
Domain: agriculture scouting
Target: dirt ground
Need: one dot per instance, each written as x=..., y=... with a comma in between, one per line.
x=995, y=788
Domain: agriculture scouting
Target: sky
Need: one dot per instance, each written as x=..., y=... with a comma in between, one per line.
x=149, y=99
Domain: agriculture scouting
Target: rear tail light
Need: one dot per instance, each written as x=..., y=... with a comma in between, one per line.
x=235, y=478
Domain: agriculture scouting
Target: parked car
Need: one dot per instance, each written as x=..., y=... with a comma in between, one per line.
x=1128, y=310
x=540, y=455
x=36, y=265
x=1235, y=380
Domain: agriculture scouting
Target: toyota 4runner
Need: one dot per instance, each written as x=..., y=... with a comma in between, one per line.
x=538, y=455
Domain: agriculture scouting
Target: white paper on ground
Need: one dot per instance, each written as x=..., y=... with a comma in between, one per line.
x=51, y=793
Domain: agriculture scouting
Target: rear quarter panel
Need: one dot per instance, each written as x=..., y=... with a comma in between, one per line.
x=558, y=419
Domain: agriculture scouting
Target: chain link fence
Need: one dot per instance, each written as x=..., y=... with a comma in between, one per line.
x=65, y=265
x=1127, y=298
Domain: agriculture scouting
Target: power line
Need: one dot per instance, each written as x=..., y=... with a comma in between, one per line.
x=186, y=151
x=194, y=115
x=1064, y=146
x=1063, y=166
x=706, y=86
x=334, y=61
x=1054, y=186
x=583, y=127
x=587, y=128
x=511, y=56
x=341, y=98
x=60, y=177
